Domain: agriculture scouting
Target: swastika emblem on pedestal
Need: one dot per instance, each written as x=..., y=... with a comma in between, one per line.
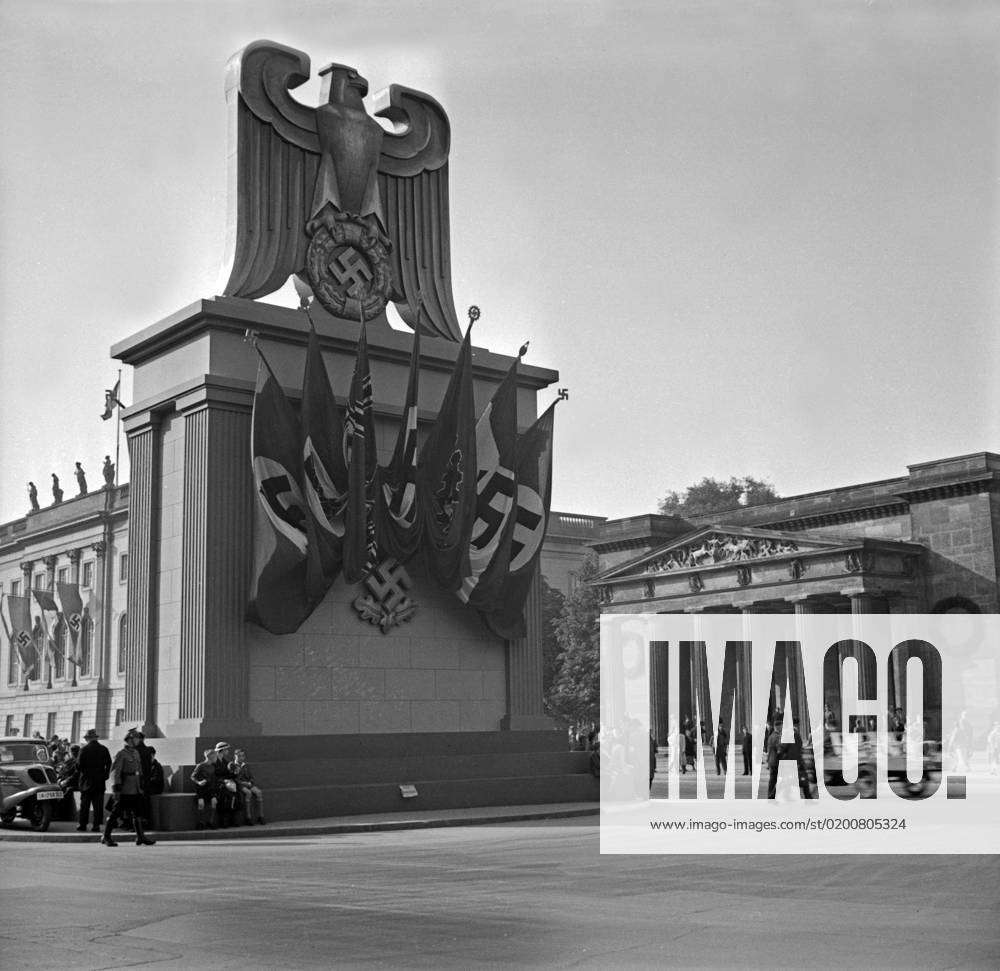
x=387, y=602
x=351, y=271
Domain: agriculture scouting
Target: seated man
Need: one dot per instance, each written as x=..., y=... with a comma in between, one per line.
x=206, y=797
x=248, y=788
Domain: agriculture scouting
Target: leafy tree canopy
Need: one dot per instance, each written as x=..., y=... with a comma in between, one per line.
x=715, y=495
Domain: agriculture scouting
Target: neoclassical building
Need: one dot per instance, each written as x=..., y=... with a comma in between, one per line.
x=82, y=540
x=928, y=541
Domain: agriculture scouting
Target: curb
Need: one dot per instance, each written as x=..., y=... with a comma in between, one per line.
x=277, y=831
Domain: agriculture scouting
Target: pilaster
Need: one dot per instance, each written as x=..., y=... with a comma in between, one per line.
x=216, y=556
x=140, y=643
x=525, y=707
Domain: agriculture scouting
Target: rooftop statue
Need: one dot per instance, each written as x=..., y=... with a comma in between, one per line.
x=357, y=211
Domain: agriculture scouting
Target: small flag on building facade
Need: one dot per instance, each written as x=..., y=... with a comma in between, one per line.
x=18, y=617
x=71, y=607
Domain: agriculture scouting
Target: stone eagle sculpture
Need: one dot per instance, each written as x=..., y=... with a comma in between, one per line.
x=328, y=194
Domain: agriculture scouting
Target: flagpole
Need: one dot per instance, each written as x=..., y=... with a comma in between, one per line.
x=251, y=337
x=118, y=431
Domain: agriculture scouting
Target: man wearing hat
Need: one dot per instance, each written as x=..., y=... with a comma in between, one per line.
x=126, y=774
x=94, y=764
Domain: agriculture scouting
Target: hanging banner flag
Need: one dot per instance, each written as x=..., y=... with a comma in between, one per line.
x=281, y=547
x=489, y=546
x=531, y=516
x=397, y=520
x=446, y=477
x=361, y=456
x=71, y=608
x=19, y=618
x=50, y=618
x=324, y=472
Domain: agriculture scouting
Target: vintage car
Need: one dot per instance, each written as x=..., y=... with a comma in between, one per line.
x=873, y=749
x=28, y=786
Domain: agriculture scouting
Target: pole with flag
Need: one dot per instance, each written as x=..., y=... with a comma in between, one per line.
x=17, y=626
x=361, y=457
x=71, y=607
x=446, y=475
x=282, y=531
x=113, y=406
x=496, y=446
x=397, y=515
x=531, y=515
x=50, y=621
x=325, y=474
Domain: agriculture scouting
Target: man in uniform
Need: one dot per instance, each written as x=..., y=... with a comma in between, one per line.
x=94, y=764
x=774, y=754
x=126, y=774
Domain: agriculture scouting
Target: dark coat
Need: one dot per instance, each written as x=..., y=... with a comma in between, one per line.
x=722, y=741
x=747, y=743
x=94, y=763
x=774, y=747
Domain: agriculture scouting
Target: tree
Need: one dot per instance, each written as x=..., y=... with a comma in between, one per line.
x=714, y=495
x=575, y=694
x=552, y=605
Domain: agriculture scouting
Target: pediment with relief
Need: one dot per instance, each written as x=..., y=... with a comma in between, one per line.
x=716, y=545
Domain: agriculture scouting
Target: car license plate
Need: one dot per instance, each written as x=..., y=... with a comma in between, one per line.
x=48, y=795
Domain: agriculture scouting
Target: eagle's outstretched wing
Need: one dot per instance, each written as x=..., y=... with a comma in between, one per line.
x=413, y=185
x=273, y=158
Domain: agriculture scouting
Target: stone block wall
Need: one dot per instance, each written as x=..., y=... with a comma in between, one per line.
x=442, y=671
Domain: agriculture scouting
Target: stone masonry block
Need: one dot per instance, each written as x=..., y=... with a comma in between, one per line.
x=360, y=684
x=303, y=683
x=435, y=716
x=390, y=650
x=430, y=652
x=459, y=684
x=332, y=717
x=262, y=683
x=407, y=684
x=385, y=716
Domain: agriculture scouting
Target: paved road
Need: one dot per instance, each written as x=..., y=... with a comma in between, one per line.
x=532, y=895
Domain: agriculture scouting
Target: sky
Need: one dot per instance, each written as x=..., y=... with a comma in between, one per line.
x=754, y=239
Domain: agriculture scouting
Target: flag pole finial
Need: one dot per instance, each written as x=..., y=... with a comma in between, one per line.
x=474, y=314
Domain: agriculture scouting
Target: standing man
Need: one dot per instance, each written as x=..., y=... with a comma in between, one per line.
x=146, y=759
x=774, y=756
x=94, y=764
x=126, y=774
x=747, y=751
x=721, y=749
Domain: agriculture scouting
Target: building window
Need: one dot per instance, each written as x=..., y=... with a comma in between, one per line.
x=74, y=732
x=39, y=583
x=63, y=575
x=122, y=631
x=119, y=717
x=86, y=645
x=123, y=568
x=8, y=726
x=88, y=574
x=15, y=588
x=27, y=726
x=50, y=724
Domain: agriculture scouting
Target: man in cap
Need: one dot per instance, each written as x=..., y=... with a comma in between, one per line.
x=146, y=758
x=94, y=764
x=127, y=777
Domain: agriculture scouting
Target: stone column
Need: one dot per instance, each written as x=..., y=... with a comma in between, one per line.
x=803, y=608
x=216, y=557
x=525, y=708
x=899, y=603
x=27, y=569
x=100, y=549
x=50, y=572
x=744, y=673
x=862, y=603
x=659, y=691
x=140, y=645
x=74, y=565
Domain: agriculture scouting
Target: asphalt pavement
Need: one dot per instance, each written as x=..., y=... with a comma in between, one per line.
x=520, y=894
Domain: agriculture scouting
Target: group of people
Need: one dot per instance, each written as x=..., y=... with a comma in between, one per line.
x=135, y=776
x=226, y=790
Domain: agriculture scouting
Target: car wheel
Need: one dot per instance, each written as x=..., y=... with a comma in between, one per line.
x=40, y=816
x=7, y=819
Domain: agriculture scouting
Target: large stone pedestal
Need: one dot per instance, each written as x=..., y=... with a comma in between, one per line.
x=196, y=669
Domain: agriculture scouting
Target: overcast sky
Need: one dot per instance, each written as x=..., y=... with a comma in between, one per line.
x=754, y=238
